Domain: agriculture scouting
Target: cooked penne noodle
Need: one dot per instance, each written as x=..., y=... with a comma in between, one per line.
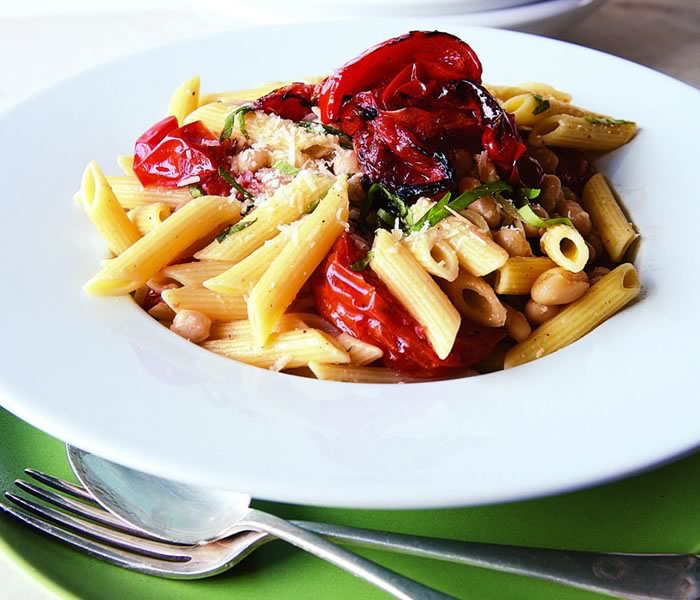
x=194, y=274
x=184, y=100
x=225, y=330
x=476, y=300
x=243, y=276
x=435, y=255
x=130, y=193
x=287, y=204
x=361, y=353
x=604, y=299
x=567, y=131
x=505, y=92
x=529, y=109
x=518, y=274
x=103, y=209
x=356, y=374
x=615, y=230
x=215, y=306
x=150, y=254
x=566, y=247
x=416, y=291
x=287, y=273
x=285, y=350
x=241, y=96
x=149, y=216
x=126, y=164
x=212, y=115
x=476, y=251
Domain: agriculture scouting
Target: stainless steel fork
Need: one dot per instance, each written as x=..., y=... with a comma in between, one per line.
x=100, y=534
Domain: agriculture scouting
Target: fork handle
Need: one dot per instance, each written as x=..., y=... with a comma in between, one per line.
x=630, y=576
x=391, y=582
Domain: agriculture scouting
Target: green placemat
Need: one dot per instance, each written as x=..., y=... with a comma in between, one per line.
x=655, y=512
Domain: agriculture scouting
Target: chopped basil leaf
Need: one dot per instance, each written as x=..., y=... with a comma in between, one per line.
x=234, y=184
x=385, y=217
x=239, y=114
x=361, y=264
x=343, y=138
x=442, y=210
x=528, y=194
x=195, y=190
x=529, y=216
x=401, y=208
x=234, y=229
x=606, y=121
x=542, y=104
x=285, y=167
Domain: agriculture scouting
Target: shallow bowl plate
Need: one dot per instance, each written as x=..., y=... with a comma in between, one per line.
x=104, y=376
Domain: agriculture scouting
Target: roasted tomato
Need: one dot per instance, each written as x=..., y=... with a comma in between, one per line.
x=410, y=102
x=359, y=304
x=293, y=101
x=170, y=156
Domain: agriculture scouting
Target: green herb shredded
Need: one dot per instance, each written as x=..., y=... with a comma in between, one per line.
x=234, y=184
x=343, y=138
x=529, y=216
x=446, y=206
x=239, y=114
x=542, y=104
x=285, y=167
x=361, y=264
x=234, y=229
x=377, y=189
x=195, y=190
x=606, y=121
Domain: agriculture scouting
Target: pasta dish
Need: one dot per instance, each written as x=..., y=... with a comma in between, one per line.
x=395, y=221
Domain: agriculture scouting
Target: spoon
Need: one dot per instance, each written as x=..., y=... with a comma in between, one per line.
x=188, y=514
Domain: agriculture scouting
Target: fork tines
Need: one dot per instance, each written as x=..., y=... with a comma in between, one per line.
x=80, y=522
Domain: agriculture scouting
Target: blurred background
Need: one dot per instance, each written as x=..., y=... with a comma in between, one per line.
x=42, y=41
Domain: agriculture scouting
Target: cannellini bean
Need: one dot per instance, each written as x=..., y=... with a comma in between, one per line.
x=593, y=241
x=516, y=325
x=192, y=325
x=547, y=159
x=580, y=219
x=551, y=193
x=463, y=163
x=486, y=168
x=597, y=273
x=531, y=230
x=538, y=313
x=513, y=241
x=559, y=286
x=251, y=159
x=468, y=183
x=488, y=208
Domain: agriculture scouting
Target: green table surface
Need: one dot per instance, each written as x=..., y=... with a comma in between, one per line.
x=653, y=512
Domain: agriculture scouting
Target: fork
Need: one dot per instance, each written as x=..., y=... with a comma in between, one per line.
x=101, y=534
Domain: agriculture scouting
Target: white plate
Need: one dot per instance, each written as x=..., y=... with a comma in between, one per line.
x=104, y=376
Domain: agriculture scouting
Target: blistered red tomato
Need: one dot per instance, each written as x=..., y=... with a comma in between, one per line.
x=359, y=304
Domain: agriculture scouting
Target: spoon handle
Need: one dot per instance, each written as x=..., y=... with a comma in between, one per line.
x=391, y=582
x=632, y=576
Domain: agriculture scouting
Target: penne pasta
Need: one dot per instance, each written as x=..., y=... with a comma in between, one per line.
x=615, y=290
x=567, y=131
x=149, y=216
x=126, y=164
x=287, y=204
x=103, y=209
x=416, y=291
x=530, y=108
x=566, y=247
x=155, y=250
x=518, y=274
x=505, y=92
x=215, y=306
x=285, y=350
x=287, y=273
x=243, y=276
x=194, y=274
x=435, y=255
x=226, y=330
x=355, y=374
x=130, y=193
x=476, y=251
x=615, y=230
x=184, y=100
x=241, y=96
x=475, y=300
